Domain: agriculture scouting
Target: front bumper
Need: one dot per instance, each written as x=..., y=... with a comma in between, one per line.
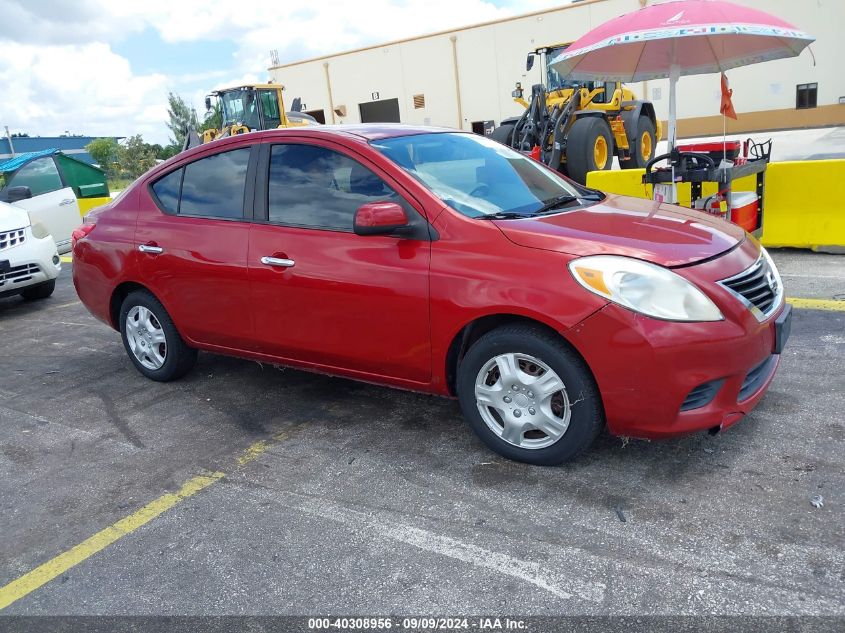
x=661, y=379
x=32, y=262
x=646, y=370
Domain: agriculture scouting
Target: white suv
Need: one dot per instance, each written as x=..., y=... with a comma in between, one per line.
x=29, y=260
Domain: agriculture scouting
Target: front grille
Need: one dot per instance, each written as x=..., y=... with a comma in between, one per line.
x=18, y=274
x=757, y=287
x=756, y=377
x=702, y=395
x=8, y=239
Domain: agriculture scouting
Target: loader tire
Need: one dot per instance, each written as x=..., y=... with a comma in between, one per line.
x=503, y=134
x=642, y=143
x=588, y=148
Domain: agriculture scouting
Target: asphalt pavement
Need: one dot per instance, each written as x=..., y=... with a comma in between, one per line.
x=314, y=495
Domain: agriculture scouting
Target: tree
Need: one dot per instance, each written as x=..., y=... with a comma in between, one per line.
x=182, y=118
x=104, y=152
x=213, y=119
x=134, y=156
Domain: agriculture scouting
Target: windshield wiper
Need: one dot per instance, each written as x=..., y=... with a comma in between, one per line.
x=505, y=215
x=562, y=200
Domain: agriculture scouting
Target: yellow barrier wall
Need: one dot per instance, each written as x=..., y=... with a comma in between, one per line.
x=804, y=203
x=86, y=204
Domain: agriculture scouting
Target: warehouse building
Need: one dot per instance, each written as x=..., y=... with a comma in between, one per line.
x=11, y=146
x=464, y=77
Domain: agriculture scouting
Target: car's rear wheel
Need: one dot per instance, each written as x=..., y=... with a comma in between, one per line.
x=151, y=339
x=528, y=396
x=39, y=291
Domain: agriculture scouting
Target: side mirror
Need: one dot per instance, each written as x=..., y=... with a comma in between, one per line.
x=208, y=103
x=381, y=218
x=529, y=63
x=14, y=194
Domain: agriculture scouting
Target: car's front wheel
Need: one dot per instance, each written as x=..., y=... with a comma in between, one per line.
x=529, y=396
x=151, y=340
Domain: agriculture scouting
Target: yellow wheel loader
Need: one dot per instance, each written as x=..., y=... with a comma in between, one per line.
x=249, y=108
x=576, y=127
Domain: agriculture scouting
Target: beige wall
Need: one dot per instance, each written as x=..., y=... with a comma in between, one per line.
x=491, y=58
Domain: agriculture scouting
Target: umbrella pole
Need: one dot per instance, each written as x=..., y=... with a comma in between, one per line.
x=674, y=75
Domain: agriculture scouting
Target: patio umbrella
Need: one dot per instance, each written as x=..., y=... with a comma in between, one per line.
x=686, y=37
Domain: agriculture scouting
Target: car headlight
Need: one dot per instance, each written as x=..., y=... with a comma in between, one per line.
x=645, y=288
x=39, y=231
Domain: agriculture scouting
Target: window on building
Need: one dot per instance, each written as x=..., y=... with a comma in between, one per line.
x=318, y=188
x=806, y=96
x=41, y=176
x=319, y=115
x=210, y=187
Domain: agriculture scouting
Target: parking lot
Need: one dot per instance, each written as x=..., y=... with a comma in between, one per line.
x=283, y=492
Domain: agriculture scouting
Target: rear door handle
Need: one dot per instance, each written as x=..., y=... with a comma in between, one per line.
x=277, y=261
x=67, y=201
x=149, y=248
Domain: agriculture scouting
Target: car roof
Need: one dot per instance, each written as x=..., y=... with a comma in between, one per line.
x=365, y=131
x=360, y=132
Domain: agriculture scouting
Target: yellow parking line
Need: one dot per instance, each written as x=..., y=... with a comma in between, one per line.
x=66, y=259
x=817, y=304
x=43, y=574
x=55, y=567
x=259, y=447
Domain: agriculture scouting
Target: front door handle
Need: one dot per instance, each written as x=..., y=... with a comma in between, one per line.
x=67, y=201
x=277, y=261
x=149, y=248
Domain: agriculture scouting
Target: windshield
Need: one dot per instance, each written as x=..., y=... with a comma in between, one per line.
x=479, y=177
x=240, y=106
x=555, y=81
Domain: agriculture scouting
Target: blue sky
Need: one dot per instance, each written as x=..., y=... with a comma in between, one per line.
x=101, y=67
x=149, y=53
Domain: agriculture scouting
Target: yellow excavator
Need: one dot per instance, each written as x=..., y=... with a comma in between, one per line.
x=248, y=108
x=576, y=127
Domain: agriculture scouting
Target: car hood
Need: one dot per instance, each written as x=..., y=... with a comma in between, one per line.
x=663, y=234
x=12, y=217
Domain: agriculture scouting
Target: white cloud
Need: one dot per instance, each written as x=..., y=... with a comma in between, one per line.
x=61, y=73
x=80, y=88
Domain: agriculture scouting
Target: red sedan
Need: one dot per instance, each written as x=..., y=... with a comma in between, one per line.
x=444, y=262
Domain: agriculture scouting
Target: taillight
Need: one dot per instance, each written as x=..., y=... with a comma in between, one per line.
x=80, y=232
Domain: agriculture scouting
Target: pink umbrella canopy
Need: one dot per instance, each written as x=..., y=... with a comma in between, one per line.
x=685, y=37
x=699, y=36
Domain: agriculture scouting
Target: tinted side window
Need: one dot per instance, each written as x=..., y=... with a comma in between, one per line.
x=167, y=191
x=41, y=176
x=318, y=188
x=214, y=186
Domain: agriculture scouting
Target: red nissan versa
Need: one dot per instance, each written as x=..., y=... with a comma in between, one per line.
x=443, y=262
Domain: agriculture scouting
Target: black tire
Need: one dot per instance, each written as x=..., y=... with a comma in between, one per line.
x=580, y=147
x=178, y=357
x=638, y=159
x=39, y=291
x=503, y=134
x=586, y=412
